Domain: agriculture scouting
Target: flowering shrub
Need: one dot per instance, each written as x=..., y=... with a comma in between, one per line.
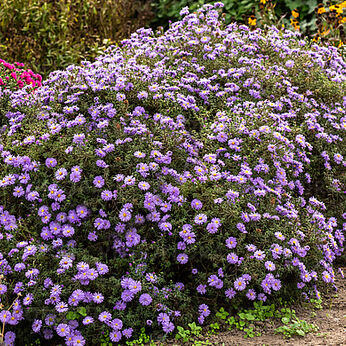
x=184, y=170
x=14, y=77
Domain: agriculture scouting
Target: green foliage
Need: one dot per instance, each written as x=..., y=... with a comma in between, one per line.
x=50, y=35
x=296, y=327
x=245, y=320
x=142, y=339
x=187, y=334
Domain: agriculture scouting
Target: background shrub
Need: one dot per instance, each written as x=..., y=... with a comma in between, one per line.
x=49, y=35
x=321, y=20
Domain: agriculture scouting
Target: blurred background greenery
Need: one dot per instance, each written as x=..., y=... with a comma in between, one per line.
x=48, y=35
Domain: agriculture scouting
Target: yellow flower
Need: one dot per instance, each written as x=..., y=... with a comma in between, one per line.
x=321, y=10
x=295, y=14
x=336, y=8
x=252, y=21
x=263, y=2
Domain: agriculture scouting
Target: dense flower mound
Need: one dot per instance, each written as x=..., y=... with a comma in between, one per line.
x=183, y=171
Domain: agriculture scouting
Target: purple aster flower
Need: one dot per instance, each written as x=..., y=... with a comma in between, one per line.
x=104, y=316
x=51, y=162
x=92, y=274
x=88, y=320
x=18, y=191
x=116, y=324
x=115, y=335
x=50, y=319
x=62, y=329
x=251, y=294
x=326, y=277
x=230, y=293
x=232, y=258
x=231, y=242
x=145, y=299
x=106, y=195
x=202, y=289
x=241, y=227
x=276, y=285
x=75, y=177
x=101, y=268
x=82, y=211
x=200, y=219
x=182, y=258
x=196, y=204
x=179, y=286
x=144, y=186
x=260, y=255
x=269, y=266
x=10, y=338
x=98, y=298
x=240, y=284
x=127, y=332
x=60, y=174
x=200, y=319
x=262, y=297
x=61, y=307
x=212, y=227
x=78, y=340
x=36, y=326
x=134, y=286
x=27, y=300
x=67, y=230
x=142, y=95
x=98, y=182
x=168, y=327
x=5, y=316
x=92, y=236
x=151, y=277
x=3, y=289
x=163, y=318
x=125, y=215
x=102, y=164
x=32, y=196
x=203, y=309
x=120, y=97
x=129, y=180
x=127, y=296
x=289, y=63
x=42, y=211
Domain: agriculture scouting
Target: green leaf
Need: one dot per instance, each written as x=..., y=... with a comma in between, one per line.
x=82, y=311
x=241, y=315
x=250, y=317
x=72, y=315
x=285, y=320
x=300, y=332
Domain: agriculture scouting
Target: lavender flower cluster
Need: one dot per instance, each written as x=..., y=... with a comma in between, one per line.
x=172, y=173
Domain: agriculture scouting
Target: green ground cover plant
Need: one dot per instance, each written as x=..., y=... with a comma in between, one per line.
x=182, y=171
